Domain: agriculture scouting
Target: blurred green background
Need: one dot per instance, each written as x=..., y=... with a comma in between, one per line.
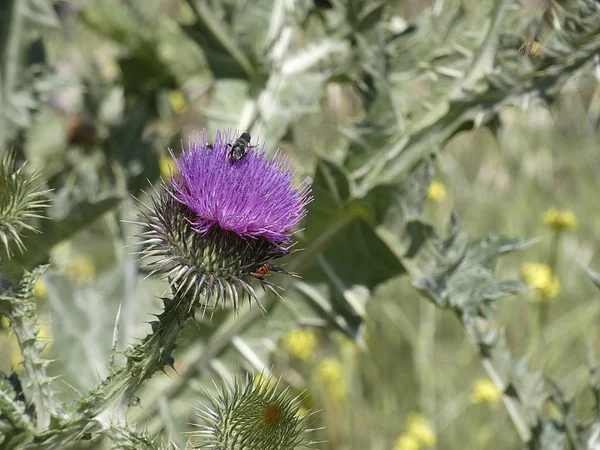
x=95, y=92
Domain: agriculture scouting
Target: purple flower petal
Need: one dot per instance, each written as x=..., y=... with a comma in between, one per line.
x=253, y=197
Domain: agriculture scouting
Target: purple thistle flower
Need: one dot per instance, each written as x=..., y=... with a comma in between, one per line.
x=253, y=198
x=220, y=223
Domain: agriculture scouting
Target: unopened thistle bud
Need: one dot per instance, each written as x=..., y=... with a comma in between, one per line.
x=220, y=222
x=21, y=200
x=253, y=415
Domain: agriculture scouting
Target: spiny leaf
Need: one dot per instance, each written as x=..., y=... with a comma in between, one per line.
x=19, y=306
x=16, y=427
x=126, y=439
x=464, y=274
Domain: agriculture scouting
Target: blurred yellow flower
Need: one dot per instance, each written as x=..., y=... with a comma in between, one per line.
x=178, y=102
x=559, y=220
x=9, y=341
x=540, y=277
x=485, y=391
x=40, y=290
x=420, y=428
x=301, y=343
x=81, y=269
x=437, y=191
x=167, y=166
x=407, y=442
x=330, y=373
x=15, y=353
x=9, y=345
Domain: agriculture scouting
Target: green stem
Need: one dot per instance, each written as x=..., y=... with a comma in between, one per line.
x=9, y=57
x=553, y=254
x=143, y=361
x=543, y=310
x=424, y=357
x=494, y=355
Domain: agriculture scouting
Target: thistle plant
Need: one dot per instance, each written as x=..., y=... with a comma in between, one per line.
x=208, y=249
x=219, y=224
x=211, y=230
x=252, y=414
x=367, y=92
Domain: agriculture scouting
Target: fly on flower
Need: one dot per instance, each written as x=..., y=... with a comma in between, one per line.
x=239, y=149
x=210, y=231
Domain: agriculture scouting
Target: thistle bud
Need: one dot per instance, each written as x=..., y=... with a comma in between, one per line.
x=254, y=414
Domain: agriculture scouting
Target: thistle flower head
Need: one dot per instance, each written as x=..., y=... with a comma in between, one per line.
x=253, y=198
x=219, y=224
x=20, y=201
x=253, y=414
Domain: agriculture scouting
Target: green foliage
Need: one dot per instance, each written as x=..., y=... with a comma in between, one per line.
x=15, y=425
x=18, y=305
x=372, y=99
x=126, y=439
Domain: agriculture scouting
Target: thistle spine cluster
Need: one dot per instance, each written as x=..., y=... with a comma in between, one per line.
x=21, y=201
x=252, y=414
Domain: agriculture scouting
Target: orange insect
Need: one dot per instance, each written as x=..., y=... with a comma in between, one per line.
x=262, y=270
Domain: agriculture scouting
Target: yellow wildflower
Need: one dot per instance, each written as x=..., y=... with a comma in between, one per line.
x=301, y=343
x=437, y=191
x=407, y=442
x=485, y=391
x=167, y=166
x=15, y=352
x=178, y=102
x=40, y=290
x=559, y=220
x=9, y=345
x=540, y=277
x=329, y=371
x=81, y=269
x=45, y=334
x=420, y=428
